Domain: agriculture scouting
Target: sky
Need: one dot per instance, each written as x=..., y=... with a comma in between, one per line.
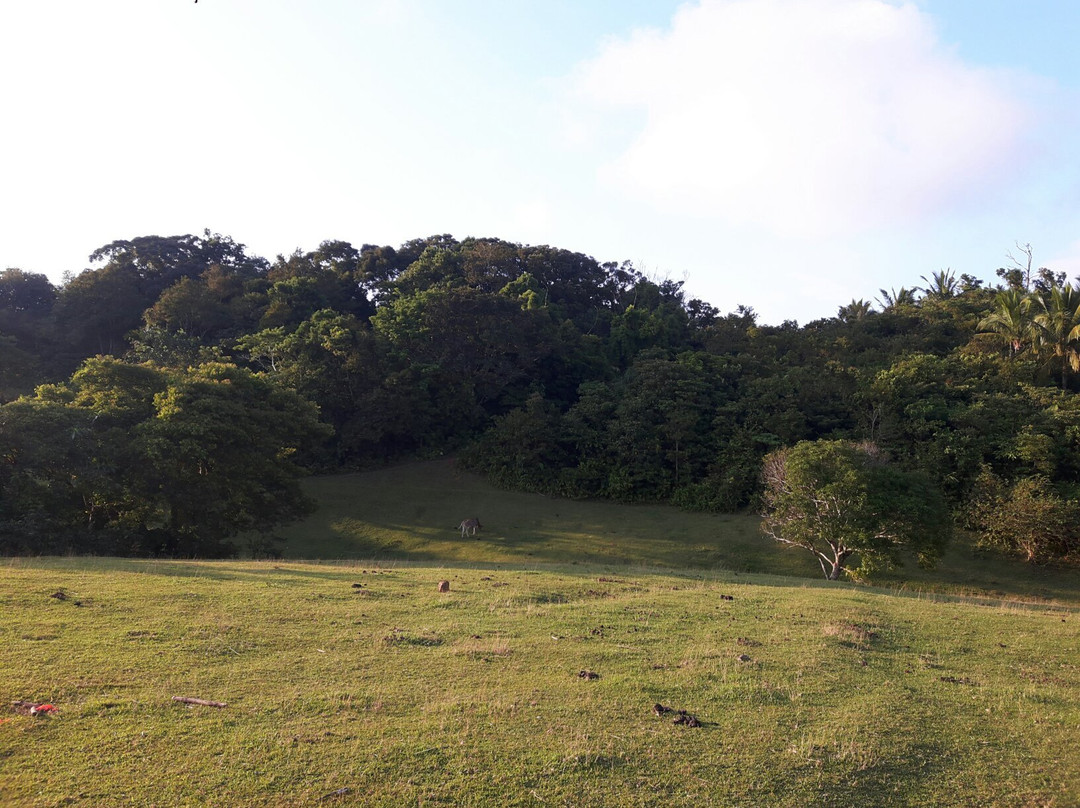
x=789, y=155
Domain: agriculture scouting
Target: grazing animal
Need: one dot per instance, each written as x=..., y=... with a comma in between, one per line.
x=469, y=526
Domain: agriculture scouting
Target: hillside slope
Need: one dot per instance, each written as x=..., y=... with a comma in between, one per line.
x=411, y=512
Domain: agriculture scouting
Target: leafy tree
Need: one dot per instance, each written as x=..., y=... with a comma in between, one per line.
x=326, y=278
x=218, y=457
x=926, y=409
x=48, y=477
x=522, y=450
x=478, y=347
x=99, y=307
x=651, y=316
x=1027, y=518
x=26, y=300
x=175, y=349
x=26, y=340
x=659, y=434
x=840, y=500
x=137, y=459
x=339, y=363
x=585, y=428
x=191, y=306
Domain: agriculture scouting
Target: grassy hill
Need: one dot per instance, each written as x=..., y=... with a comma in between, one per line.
x=533, y=680
x=410, y=512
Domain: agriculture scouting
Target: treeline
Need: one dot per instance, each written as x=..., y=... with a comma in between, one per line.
x=543, y=368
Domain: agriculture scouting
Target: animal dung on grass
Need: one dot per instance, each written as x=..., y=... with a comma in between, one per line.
x=444, y=586
x=686, y=719
x=60, y=594
x=682, y=717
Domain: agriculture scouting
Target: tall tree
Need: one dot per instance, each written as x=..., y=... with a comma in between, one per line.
x=1011, y=320
x=1057, y=325
x=97, y=308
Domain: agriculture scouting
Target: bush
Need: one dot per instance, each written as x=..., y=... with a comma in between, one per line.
x=1028, y=518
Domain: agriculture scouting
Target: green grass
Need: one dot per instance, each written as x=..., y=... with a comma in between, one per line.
x=355, y=682
x=405, y=696
x=410, y=513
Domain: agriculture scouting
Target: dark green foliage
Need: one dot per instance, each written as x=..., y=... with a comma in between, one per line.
x=97, y=308
x=26, y=302
x=522, y=450
x=19, y=369
x=544, y=368
x=49, y=477
x=136, y=459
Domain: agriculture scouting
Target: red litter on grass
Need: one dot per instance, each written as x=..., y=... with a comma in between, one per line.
x=33, y=708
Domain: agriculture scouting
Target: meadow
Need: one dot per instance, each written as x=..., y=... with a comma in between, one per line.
x=410, y=512
x=349, y=679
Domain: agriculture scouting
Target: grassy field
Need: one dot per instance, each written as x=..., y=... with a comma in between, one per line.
x=410, y=513
x=370, y=680
x=533, y=681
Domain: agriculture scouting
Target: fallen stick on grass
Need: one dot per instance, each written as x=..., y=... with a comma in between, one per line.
x=203, y=702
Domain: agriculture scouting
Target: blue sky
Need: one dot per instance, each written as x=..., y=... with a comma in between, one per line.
x=789, y=155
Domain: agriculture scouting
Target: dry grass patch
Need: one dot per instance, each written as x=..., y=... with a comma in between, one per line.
x=853, y=634
x=477, y=646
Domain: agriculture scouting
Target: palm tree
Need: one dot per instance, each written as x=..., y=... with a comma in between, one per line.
x=1057, y=323
x=896, y=298
x=941, y=285
x=1011, y=321
x=855, y=310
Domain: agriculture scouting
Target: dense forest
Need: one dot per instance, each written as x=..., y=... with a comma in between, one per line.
x=166, y=400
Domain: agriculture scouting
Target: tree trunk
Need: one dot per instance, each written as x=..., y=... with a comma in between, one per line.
x=837, y=566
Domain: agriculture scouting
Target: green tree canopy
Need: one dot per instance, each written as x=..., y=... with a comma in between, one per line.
x=138, y=459
x=841, y=501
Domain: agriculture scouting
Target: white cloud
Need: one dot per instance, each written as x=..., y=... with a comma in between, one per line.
x=804, y=118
